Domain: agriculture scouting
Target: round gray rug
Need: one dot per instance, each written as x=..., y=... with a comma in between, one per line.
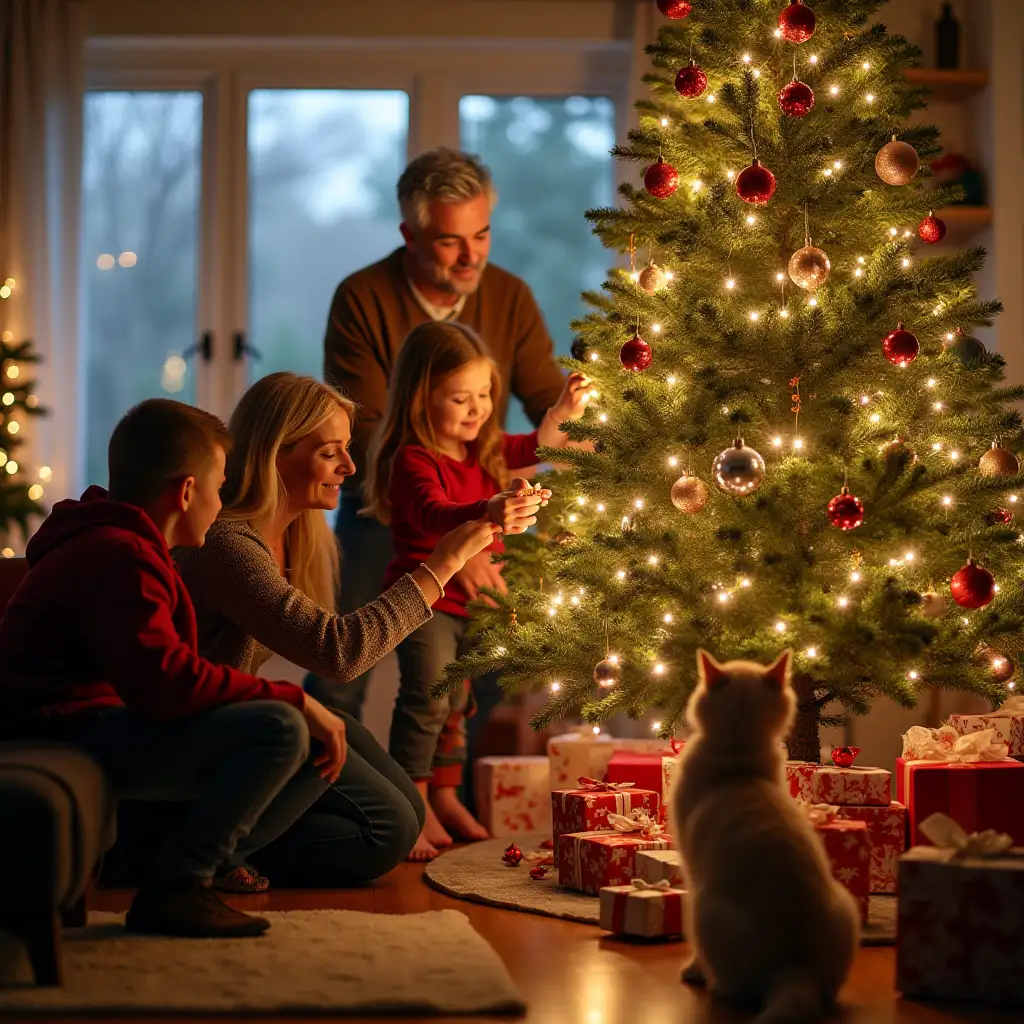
x=477, y=873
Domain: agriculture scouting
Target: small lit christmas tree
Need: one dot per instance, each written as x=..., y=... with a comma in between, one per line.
x=796, y=439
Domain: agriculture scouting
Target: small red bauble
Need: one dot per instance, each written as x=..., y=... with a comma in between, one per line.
x=999, y=517
x=512, y=856
x=796, y=99
x=845, y=510
x=797, y=23
x=900, y=346
x=843, y=757
x=539, y=872
x=972, y=586
x=691, y=80
x=636, y=354
x=931, y=230
x=675, y=9
x=755, y=184
x=661, y=180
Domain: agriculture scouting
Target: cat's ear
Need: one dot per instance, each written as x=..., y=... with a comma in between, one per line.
x=710, y=671
x=776, y=674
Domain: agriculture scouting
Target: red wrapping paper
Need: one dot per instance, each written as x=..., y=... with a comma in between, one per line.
x=1009, y=728
x=588, y=861
x=959, y=926
x=978, y=795
x=848, y=846
x=649, y=913
x=512, y=794
x=799, y=775
x=887, y=828
x=641, y=768
x=855, y=787
x=586, y=753
x=581, y=810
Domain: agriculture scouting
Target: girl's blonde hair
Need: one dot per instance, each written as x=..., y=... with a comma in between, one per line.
x=431, y=352
x=273, y=416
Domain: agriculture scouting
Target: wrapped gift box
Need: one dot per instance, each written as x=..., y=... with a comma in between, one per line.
x=1009, y=728
x=669, y=770
x=799, y=775
x=587, y=754
x=588, y=861
x=848, y=846
x=959, y=926
x=587, y=810
x=887, y=827
x=851, y=786
x=512, y=794
x=654, y=866
x=643, y=769
x=648, y=912
x=979, y=795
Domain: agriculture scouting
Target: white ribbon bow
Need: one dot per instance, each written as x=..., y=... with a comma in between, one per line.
x=946, y=834
x=946, y=744
x=596, y=786
x=819, y=814
x=662, y=885
x=1011, y=706
x=638, y=821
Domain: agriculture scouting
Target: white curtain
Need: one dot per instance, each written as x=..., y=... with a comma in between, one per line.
x=42, y=44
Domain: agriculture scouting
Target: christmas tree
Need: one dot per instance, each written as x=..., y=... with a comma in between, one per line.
x=795, y=440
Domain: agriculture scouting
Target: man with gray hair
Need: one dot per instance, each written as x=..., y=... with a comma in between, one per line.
x=441, y=273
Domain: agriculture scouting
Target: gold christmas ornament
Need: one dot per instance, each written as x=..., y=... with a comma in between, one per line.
x=564, y=538
x=1000, y=664
x=689, y=494
x=652, y=278
x=897, y=163
x=933, y=606
x=607, y=673
x=998, y=461
x=809, y=268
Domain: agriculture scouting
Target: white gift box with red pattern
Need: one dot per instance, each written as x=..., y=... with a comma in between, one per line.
x=855, y=787
x=585, y=753
x=588, y=861
x=798, y=776
x=654, y=866
x=1007, y=722
x=587, y=809
x=639, y=909
x=512, y=795
x=887, y=828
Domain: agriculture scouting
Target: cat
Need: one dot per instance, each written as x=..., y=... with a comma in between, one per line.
x=767, y=923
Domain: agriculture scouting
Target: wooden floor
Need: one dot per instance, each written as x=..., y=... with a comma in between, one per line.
x=575, y=974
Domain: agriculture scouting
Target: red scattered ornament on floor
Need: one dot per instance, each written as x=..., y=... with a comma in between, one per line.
x=797, y=22
x=538, y=872
x=843, y=757
x=636, y=354
x=755, y=184
x=661, y=180
x=972, y=586
x=900, y=346
x=547, y=844
x=691, y=81
x=675, y=9
x=512, y=856
x=931, y=230
x=845, y=510
x=796, y=99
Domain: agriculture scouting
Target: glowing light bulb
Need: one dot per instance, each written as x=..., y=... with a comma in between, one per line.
x=780, y=276
x=600, y=508
x=937, y=446
x=573, y=517
x=893, y=562
x=593, y=357
x=45, y=473
x=875, y=418
x=756, y=72
x=861, y=260
x=596, y=730
x=780, y=627
x=905, y=262
x=777, y=33
x=667, y=618
x=912, y=675
x=639, y=503
x=894, y=232
x=811, y=652
x=866, y=66
x=655, y=726
x=834, y=90
x=723, y=597
x=744, y=582
x=754, y=315
x=776, y=442
x=827, y=172
x=730, y=283
x=855, y=577
x=995, y=588
x=937, y=407
x=784, y=313
x=711, y=97
x=551, y=610
x=574, y=600
x=11, y=466
x=838, y=165
x=621, y=574
x=555, y=687
x=858, y=272
x=652, y=559
x=13, y=372
x=751, y=219
x=954, y=455
x=931, y=382
x=798, y=443
x=865, y=399
x=813, y=58
x=812, y=301
x=664, y=122
x=673, y=461
x=870, y=97
x=1013, y=498
x=656, y=328
x=909, y=556
x=947, y=500
x=670, y=380
x=949, y=337
x=697, y=186
x=746, y=58
x=659, y=669
x=602, y=417
x=842, y=601
x=730, y=175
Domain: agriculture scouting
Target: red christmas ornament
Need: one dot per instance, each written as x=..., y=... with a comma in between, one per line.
x=512, y=856
x=661, y=180
x=636, y=354
x=691, y=81
x=900, y=346
x=999, y=517
x=539, y=872
x=675, y=9
x=796, y=99
x=972, y=586
x=547, y=844
x=843, y=757
x=845, y=510
x=931, y=230
x=755, y=184
x=797, y=22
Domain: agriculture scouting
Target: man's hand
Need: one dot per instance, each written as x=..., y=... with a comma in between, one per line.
x=329, y=729
x=480, y=572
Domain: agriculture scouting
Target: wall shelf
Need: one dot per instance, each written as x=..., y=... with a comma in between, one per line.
x=948, y=85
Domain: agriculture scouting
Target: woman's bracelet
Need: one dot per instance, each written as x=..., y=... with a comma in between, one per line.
x=433, y=576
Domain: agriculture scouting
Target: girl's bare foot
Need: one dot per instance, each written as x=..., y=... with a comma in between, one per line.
x=434, y=833
x=423, y=850
x=452, y=813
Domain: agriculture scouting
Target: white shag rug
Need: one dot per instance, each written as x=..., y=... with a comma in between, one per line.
x=330, y=962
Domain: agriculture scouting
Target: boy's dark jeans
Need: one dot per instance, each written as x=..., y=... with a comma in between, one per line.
x=245, y=768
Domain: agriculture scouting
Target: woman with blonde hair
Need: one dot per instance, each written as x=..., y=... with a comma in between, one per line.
x=263, y=584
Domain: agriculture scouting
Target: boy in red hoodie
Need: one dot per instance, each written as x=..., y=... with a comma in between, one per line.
x=98, y=648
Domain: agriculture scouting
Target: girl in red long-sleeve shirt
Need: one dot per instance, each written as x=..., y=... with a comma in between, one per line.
x=440, y=459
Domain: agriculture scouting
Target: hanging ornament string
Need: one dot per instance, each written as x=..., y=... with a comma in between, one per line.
x=794, y=383
x=807, y=214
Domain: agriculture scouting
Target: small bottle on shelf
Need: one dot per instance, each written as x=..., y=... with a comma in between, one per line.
x=947, y=39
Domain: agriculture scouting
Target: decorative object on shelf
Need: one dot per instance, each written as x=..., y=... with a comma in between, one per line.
x=931, y=230
x=607, y=673
x=796, y=99
x=900, y=347
x=636, y=354
x=755, y=184
x=512, y=856
x=957, y=169
x=964, y=349
x=738, y=470
x=809, y=267
x=691, y=81
x=998, y=461
x=689, y=494
x=652, y=278
x=675, y=9
x=797, y=22
x=843, y=757
x=845, y=511
x=933, y=605
x=661, y=179
x=897, y=163
x=947, y=39
x=972, y=586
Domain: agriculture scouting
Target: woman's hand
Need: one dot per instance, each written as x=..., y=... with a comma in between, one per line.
x=515, y=510
x=452, y=552
x=329, y=729
x=570, y=406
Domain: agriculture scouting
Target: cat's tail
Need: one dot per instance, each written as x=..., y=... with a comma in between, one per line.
x=793, y=998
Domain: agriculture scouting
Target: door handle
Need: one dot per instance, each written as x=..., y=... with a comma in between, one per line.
x=242, y=348
x=203, y=347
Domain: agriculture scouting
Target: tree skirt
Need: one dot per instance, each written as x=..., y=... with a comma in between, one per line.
x=330, y=962
x=477, y=873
